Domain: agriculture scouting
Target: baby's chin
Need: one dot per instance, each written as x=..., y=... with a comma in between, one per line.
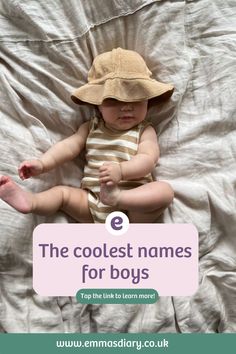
x=123, y=123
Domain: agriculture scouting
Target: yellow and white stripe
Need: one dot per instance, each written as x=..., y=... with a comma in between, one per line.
x=102, y=146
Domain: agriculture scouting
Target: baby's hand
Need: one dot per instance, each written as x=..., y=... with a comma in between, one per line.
x=110, y=173
x=30, y=168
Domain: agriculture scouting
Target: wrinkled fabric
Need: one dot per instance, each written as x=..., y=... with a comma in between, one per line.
x=46, y=50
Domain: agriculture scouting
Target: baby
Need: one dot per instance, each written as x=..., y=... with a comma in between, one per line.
x=121, y=149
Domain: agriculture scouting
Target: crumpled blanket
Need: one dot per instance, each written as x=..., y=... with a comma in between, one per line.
x=46, y=50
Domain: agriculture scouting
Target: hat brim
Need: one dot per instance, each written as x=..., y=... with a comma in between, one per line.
x=131, y=90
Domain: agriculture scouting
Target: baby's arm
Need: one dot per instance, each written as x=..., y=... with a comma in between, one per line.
x=139, y=166
x=145, y=159
x=63, y=151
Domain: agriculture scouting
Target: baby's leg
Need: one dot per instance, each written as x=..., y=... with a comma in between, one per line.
x=139, y=217
x=72, y=201
x=150, y=199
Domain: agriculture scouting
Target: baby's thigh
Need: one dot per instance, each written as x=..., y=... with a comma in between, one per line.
x=144, y=218
x=76, y=204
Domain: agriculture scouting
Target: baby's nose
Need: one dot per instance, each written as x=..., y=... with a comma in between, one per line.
x=127, y=106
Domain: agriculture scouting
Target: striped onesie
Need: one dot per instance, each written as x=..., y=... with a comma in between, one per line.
x=104, y=145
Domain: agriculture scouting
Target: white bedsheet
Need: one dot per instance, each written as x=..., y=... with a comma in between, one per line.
x=46, y=49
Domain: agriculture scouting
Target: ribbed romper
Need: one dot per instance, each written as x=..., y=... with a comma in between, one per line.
x=105, y=145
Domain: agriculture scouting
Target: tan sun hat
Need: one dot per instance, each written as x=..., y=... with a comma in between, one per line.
x=121, y=74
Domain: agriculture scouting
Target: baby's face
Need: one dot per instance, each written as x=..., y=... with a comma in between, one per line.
x=123, y=115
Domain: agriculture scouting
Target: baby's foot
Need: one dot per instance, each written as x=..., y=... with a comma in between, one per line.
x=109, y=194
x=14, y=195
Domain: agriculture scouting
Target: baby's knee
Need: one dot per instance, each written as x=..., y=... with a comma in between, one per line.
x=63, y=193
x=168, y=193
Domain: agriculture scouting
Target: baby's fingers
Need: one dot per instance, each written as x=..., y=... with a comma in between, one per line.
x=103, y=168
x=24, y=170
x=104, y=179
x=103, y=174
